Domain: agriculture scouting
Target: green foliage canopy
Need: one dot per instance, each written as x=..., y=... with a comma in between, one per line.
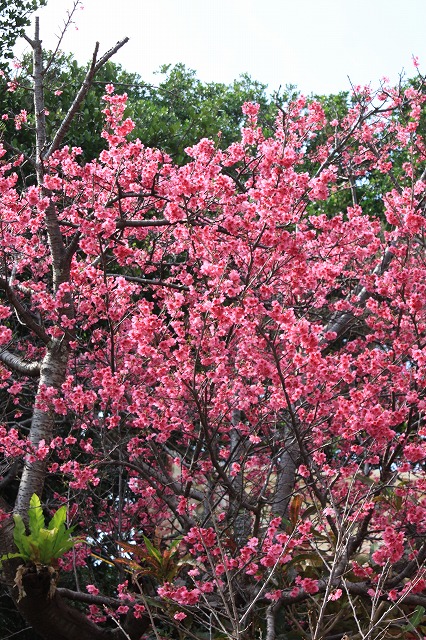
x=14, y=17
x=173, y=115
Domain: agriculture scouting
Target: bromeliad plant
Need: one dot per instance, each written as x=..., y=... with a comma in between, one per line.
x=42, y=546
x=161, y=564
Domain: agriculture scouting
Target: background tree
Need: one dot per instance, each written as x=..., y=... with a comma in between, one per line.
x=14, y=17
x=172, y=116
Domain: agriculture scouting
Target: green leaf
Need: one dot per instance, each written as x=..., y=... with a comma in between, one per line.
x=414, y=620
x=151, y=549
x=310, y=559
x=35, y=515
x=47, y=544
x=9, y=556
x=66, y=546
x=309, y=511
x=62, y=540
x=59, y=518
x=35, y=551
x=175, y=544
x=19, y=533
x=42, y=545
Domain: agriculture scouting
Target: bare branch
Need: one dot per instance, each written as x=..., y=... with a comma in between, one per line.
x=126, y=224
x=88, y=598
x=160, y=283
x=23, y=313
x=342, y=321
x=13, y=149
x=30, y=42
x=67, y=23
x=87, y=83
x=110, y=53
x=39, y=106
x=14, y=362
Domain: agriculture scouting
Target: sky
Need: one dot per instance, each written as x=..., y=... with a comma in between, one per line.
x=317, y=45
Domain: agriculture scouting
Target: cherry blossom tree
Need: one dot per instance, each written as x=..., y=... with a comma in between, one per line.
x=223, y=384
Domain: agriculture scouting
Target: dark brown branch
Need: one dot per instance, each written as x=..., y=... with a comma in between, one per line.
x=342, y=321
x=56, y=245
x=161, y=283
x=227, y=481
x=87, y=82
x=70, y=250
x=363, y=588
x=13, y=149
x=409, y=569
x=49, y=614
x=134, y=627
x=14, y=362
x=88, y=598
x=125, y=224
x=132, y=194
x=150, y=473
x=110, y=53
x=23, y=313
x=67, y=23
x=9, y=473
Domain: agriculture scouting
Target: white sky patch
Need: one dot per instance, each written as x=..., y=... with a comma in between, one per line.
x=315, y=44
